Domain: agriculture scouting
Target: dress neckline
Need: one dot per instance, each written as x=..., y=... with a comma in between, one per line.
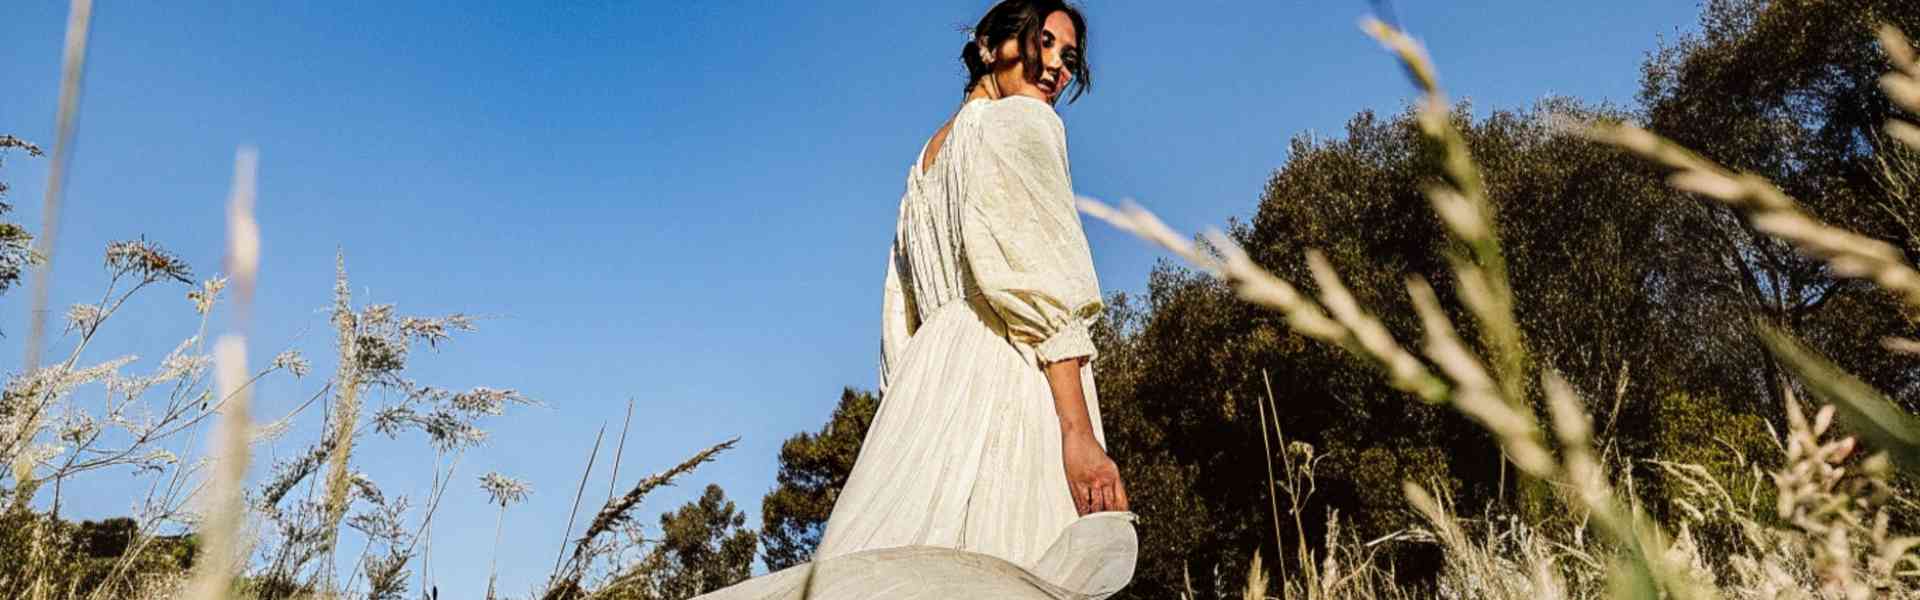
x=919, y=159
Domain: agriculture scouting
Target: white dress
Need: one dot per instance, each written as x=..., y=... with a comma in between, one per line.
x=989, y=279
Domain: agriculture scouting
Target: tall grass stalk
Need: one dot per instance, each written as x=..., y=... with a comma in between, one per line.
x=567, y=536
x=1359, y=334
x=504, y=491
x=1771, y=211
x=225, y=552
x=345, y=413
x=1495, y=398
x=1460, y=200
x=73, y=62
x=1847, y=253
x=1903, y=84
x=618, y=512
x=1273, y=486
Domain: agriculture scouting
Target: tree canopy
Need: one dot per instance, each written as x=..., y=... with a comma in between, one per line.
x=1644, y=298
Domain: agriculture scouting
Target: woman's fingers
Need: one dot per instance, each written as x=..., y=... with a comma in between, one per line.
x=1103, y=497
x=1120, y=489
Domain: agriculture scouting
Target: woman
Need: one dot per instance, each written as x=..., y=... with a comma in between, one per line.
x=988, y=436
x=984, y=473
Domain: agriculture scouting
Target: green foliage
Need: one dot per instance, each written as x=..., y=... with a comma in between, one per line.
x=1576, y=217
x=83, y=556
x=16, y=252
x=1699, y=433
x=1788, y=90
x=704, y=546
x=1642, y=297
x=1700, y=430
x=1174, y=522
x=813, y=469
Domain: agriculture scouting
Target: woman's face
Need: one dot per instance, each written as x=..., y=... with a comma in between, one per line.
x=1059, y=52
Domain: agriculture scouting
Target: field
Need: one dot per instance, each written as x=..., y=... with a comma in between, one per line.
x=1534, y=441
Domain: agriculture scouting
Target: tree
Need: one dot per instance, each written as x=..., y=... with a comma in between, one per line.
x=1580, y=224
x=87, y=556
x=1644, y=298
x=1177, y=525
x=1788, y=89
x=16, y=244
x=813, y=469
x=703, y=547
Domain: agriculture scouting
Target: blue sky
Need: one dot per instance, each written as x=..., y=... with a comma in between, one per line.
x=683, y=203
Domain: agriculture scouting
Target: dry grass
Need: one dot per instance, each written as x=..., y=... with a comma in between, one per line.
x=1830, y=535
x=1836, y=541
x=263, y=539
x=225, y=549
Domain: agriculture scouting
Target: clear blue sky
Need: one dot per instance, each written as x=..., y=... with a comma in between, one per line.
x=685, y=203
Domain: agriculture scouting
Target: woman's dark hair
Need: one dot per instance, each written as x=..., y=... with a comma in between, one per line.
x=1024, y=20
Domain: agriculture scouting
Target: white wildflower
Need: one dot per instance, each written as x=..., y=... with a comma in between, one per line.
x=292, y=361
x=504, y=490
x=208, y=292
x=83, y=317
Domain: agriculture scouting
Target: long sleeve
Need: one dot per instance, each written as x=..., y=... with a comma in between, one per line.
x=898, y=317
x=1023, y=237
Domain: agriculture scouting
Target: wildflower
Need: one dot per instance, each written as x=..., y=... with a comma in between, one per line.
x=83, y=317
x=292, y=361
x=504, y=490
x=148, y=260
x=206, y=294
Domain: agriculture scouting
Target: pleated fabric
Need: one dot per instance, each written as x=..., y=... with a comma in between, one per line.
x=963, y=453
x=989, y=279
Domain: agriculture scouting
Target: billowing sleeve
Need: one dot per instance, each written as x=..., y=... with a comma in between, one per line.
x=1022, y=234
x=898, y=317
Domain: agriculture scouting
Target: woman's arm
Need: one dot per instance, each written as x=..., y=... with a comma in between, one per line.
x=1029, y=255
x=1093, y=478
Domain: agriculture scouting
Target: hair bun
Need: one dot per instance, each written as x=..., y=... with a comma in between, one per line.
x=970, y=57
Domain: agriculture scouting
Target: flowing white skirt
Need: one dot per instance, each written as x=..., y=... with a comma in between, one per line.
x=1091, y=560
x=964, y=452
x=960, y=482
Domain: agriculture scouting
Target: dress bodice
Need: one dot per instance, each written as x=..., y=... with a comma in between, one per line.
x=995, y=218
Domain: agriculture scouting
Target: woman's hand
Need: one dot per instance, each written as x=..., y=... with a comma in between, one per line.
x=1092, y=477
